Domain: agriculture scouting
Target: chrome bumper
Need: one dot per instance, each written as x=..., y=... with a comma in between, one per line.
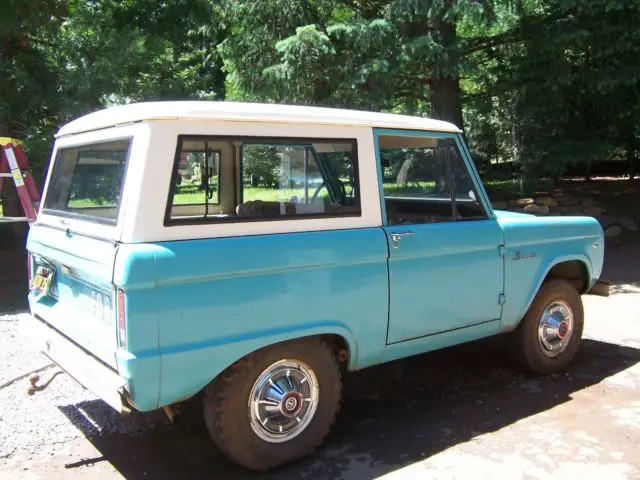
x=86, y=369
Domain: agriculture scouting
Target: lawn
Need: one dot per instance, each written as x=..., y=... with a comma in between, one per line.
x=250, y=193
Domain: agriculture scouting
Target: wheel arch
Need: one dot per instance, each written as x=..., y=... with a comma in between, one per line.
x=575, y=268
x=575, y=271
x=222, y=357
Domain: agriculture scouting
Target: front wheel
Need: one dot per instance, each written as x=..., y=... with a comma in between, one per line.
x=276, y=405
x=549, y=335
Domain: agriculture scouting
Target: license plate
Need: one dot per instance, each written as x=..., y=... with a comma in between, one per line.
x=43, y=280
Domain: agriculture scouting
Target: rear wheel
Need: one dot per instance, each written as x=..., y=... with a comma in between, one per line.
x=275, y=405
x=549, y=336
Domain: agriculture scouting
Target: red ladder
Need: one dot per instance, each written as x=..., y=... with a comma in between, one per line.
x=13, y=164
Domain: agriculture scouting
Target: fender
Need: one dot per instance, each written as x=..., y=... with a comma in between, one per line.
x=197, y=365
x=557, y=261
x=513, y=317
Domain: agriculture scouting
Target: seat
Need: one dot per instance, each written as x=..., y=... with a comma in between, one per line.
x=260, y=208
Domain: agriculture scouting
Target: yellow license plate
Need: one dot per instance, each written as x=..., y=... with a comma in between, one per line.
x=42, y=280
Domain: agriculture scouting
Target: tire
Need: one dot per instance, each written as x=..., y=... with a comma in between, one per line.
x=533, y=348
x=234, y=423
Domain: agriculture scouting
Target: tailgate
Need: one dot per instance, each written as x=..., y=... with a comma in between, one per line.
x=81, y=300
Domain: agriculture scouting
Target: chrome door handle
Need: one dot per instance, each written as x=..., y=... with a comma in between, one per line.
x=396, y=236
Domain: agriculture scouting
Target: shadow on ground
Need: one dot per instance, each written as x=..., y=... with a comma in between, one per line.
x=14, y=283
x=621, y=268
x=392, y=416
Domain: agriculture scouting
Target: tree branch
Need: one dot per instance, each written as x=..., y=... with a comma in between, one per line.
x=40, y=41
x=525, y=27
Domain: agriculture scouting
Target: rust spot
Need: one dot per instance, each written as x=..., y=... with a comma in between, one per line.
x=343, y=355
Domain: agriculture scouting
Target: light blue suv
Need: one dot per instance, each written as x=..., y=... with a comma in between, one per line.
x=258, y=294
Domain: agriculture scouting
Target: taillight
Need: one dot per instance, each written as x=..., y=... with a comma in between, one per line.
x=122, y=320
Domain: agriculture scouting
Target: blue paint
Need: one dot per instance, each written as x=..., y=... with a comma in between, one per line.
x=440, y=280
x=430, y=270
x=89, y=265
x=216, y=300
x=552, y=240
x=413, y=133
x=442, y=340
x=376, y=146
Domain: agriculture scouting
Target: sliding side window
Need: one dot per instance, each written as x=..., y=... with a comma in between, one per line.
x=248, y=179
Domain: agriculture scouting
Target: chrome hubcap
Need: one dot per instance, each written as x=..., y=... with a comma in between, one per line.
x=283, y=401
x=555, y=328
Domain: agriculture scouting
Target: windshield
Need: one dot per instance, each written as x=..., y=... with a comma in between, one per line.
x=86, y=181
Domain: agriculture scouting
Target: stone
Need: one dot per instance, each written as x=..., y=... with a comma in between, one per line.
x=567, y=200
x=607, y=220
x=590, y=202
x=593, y=211
x=521, y=202
x=567, y=210
x=547, y=201
x=539, y=209
x=627, y=223
x=612, y=231
x=500, y=205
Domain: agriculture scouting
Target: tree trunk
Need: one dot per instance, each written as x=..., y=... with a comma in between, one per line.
x=631, y=147
x=446, y=103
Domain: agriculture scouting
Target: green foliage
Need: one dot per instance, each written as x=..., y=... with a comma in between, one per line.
x=544, y=83
x=29, y=82
x=561, y=88
x=261, y=166
x=66, y=58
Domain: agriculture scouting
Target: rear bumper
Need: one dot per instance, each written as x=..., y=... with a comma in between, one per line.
x=79, y=364
x=601, y=288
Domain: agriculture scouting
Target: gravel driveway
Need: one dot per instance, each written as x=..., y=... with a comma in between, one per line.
x=457, y=413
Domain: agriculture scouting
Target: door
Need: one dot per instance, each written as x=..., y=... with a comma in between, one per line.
x=445, y=268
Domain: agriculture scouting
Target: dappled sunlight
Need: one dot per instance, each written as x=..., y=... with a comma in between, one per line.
x=625, y=288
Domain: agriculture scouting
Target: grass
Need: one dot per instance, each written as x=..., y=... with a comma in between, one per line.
x=88, y=203
x=250, y=193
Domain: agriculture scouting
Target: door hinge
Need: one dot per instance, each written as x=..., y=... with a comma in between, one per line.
x=502, y=250
x=502, y=299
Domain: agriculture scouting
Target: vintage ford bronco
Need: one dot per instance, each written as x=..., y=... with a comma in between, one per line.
x=251, y=254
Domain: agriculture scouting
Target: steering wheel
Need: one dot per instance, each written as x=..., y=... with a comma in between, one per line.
x=343, y=191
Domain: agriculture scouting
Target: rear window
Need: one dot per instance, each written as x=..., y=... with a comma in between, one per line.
x=86, y=181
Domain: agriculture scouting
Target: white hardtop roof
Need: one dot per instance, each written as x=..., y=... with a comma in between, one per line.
x=247, y=112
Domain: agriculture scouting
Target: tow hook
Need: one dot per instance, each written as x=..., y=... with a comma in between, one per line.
x=34, y=378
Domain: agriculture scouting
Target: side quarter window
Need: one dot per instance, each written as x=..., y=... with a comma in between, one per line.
x=425, y=180
x=467, y=200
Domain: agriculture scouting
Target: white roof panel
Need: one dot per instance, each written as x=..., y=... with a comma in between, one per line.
x=247, y=112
